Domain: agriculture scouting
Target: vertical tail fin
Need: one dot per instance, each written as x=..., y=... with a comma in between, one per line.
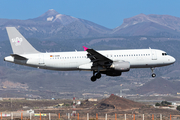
x=18, y=43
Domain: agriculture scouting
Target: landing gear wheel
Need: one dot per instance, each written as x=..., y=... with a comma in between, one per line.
x=98, y=75
x=93, y=78
x=153, y=75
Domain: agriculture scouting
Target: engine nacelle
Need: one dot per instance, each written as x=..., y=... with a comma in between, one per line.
x=122, y=66
x=112, y=73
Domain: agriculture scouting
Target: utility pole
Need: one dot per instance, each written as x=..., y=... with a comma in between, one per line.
x=11, y=102
x=120, y=94
x=74, y=106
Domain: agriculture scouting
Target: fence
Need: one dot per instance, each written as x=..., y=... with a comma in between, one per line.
x=68, y=116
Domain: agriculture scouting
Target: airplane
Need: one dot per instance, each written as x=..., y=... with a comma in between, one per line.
x=108, y=62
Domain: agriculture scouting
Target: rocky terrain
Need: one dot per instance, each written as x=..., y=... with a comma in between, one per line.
x=151, y=25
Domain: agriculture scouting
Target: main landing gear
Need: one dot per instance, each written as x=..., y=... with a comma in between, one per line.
x=95, y=76
x=153, y=74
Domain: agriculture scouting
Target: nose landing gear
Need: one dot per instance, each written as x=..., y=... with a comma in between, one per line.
x=95, y=76
x=153, y=74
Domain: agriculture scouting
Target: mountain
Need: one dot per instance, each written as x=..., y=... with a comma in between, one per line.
x=53, y=16
x=151, y=25
x=52, y=25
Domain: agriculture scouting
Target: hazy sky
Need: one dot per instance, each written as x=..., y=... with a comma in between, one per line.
x=108, y=13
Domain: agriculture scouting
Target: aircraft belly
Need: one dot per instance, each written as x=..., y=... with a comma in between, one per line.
x=63, y=65
x=34, y=62
x=147, y=64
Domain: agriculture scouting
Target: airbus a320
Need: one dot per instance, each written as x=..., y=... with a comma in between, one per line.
x=108, y=62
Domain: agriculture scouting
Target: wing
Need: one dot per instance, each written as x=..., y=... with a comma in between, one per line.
x=97, y=58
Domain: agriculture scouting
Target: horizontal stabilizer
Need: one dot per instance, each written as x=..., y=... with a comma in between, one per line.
x=18, y=57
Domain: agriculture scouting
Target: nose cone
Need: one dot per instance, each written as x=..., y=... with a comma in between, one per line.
x=172, y=60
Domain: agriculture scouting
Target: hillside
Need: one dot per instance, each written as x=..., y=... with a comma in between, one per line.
x=158, y=86
x=116, y=102
x=37, y=83
x=151, y=25
x=52, y=25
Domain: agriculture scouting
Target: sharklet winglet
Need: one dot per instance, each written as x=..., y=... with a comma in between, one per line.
x=85, y=48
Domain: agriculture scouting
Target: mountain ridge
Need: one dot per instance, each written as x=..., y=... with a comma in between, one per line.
x=53, y=25
x=170, y=23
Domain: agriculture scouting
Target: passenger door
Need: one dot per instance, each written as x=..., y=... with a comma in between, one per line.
x=41, y=59
x=153, y=54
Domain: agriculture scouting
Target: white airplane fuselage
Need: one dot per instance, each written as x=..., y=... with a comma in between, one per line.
x=62, y=61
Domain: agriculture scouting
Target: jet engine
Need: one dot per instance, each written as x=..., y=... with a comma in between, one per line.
x=112, y=73
x=122, y=66
x=117, y=68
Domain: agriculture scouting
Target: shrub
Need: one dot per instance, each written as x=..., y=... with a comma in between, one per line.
x=157, y=104
x=178, y=108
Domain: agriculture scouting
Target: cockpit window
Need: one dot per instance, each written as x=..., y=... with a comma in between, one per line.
x=164, y=54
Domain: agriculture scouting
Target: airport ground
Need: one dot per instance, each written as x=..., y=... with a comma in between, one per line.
x=64, y=108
